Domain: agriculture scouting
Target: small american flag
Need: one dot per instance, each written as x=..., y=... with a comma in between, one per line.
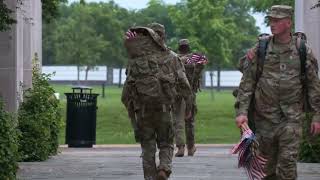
x=248, y=157
x=197, y=59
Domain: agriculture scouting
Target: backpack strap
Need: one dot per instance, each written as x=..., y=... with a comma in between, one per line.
x=302, y=49
x=261, y=53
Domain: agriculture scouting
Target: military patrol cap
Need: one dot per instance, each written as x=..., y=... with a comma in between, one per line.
x=157, y=27
x=154, y=35
x=280, y=11
x=183, y=42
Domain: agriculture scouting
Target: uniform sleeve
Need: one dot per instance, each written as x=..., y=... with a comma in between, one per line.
x=182, y=82
x=125, y=94
x=247, y=86
x=313, y=84
x=198, y=71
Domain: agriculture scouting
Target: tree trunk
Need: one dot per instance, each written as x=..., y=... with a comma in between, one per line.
x=211, y=85
x=87, y=71
x=120, y=77
x=203, y=79
x=106, y=82
x=218, y=77
x=109, y=75
x=78, y=71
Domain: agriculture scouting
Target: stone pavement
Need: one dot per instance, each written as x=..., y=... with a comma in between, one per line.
x=211, y=162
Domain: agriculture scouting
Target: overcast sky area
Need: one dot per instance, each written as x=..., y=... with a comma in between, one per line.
x=139, y=4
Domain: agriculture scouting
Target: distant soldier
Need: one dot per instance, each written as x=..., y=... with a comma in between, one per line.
x=154, y=73
x=185, y=123
x=277, y=80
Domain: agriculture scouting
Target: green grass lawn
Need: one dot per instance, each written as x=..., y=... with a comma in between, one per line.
x=214, y=121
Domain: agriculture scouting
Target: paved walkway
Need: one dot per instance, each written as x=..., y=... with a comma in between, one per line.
x=123, y=163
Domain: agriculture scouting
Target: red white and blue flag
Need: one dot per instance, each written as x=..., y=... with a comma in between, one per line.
x=248, y=156
x=197, y=59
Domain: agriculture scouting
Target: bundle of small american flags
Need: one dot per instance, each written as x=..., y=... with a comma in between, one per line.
x=248, y=157
x=197, y=58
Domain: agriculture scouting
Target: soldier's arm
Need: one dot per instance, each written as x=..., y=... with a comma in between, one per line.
x=125, y=94
x=313, y=84
x=247, y=85
x=198, y=69
x=183, y=82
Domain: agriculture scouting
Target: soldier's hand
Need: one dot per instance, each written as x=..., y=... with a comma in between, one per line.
x=188, y=115
x=130, y=35
x=241, y=119
x=315, y=128
x=250, y=54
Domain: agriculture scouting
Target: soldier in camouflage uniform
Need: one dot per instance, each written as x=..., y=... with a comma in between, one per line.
x=154, y=126
x=185, y=123
x=278, y=96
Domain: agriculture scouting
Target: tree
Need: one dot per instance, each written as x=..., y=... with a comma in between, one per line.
x=77, y=42
x=107, y=23
x=264, y=5
x=204, y=23
x=316, y=5
x=223, y=30
x=49, y=8
x=246, y=31
x=5, y=17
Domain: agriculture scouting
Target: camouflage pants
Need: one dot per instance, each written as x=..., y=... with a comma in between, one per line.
x=280, y=144
x=156, y=130
x=179, y=122
x=184, y=128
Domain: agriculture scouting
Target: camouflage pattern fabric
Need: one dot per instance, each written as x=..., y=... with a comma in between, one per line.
x=153, y=71
x=278, y=104
x=179, y=122
x=156, y=128
x=185, y=128
x=280, y=11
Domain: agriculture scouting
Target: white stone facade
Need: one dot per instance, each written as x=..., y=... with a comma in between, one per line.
x=17, y=48
x=307, y=20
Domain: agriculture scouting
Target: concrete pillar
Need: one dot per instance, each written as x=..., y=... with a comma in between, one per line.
x=16, y=49
x=27, y=36
x=299, y=11
x=312, y=26
x=36, y=28
x=32, y=38
x=307, y=20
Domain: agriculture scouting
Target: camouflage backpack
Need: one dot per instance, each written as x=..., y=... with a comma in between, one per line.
x=150, y=76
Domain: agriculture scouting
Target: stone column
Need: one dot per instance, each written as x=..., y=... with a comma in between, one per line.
x=307, y=20
x=16, y=49
x=312, y=26
x=299, y=11
x=27, y=36
x=32, y=37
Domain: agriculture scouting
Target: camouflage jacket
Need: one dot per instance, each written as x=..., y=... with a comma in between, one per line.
x=280, y=85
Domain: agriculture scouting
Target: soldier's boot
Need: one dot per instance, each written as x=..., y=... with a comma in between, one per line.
x=191, y=150
x=180, y=152
x=162, y=175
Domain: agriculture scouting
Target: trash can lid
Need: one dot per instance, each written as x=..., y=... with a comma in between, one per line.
x=82, y=87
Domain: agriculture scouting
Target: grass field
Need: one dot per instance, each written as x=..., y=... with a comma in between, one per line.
x=214, y=121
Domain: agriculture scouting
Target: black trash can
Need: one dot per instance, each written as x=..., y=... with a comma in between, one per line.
x=81, y=117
